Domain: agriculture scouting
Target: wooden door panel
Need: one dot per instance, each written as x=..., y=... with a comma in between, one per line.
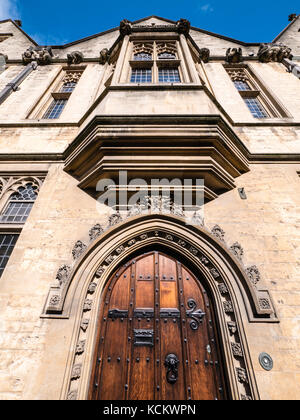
x=154, y=307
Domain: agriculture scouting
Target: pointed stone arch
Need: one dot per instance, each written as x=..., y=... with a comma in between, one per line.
x=78, y=293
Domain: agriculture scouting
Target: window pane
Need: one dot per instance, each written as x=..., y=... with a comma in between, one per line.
x=55, y=109
x=166, y=56
x=143, y=56
x=240, y=85
x=255, y=108
x=141, y=76
x=68, y=87
x=20, y=205
x=16, y=212
x=7, y=243
x=168, y=75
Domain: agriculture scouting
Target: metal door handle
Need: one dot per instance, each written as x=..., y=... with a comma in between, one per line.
x=171, y=363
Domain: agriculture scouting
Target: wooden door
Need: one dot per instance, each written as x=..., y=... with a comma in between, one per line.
x=156, y=337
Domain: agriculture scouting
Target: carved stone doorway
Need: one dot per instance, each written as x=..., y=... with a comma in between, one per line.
x=157, y=337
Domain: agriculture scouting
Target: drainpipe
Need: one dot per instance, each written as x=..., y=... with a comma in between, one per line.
x=292, y=67
x=13, y=85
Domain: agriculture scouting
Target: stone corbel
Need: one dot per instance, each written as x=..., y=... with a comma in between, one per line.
x=274, y=52
x=42, y=55
x=104, y=56
x=234, y=55
x=125, y=27
x=183, y=26
x=204, y=55
x=75, y=57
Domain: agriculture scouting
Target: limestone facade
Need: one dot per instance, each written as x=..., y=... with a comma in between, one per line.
x=109, y=124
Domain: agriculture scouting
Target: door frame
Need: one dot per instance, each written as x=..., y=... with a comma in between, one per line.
x=229, y=288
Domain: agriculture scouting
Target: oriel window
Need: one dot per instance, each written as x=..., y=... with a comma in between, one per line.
x=155, y=62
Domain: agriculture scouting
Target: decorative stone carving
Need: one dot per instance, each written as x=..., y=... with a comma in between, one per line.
x=76, y=372
x=75, y=57
x=96, y=231
x=114, y=219
x=223, y=289
x=238, y=75
x=218, y=232
x=72, y=77
x=234, y=55
x=242, y=375
x=214, y=273
x=274, y=52
x=104, y=56
x=125, y=27
x=87, y=305
x=246, y=397
x=84, y=324
x=204, y=55
x=183, y=26
x=80, y=347
x=237, y=250
x=264, y=303
x=62, y=275
x=92, y=288
x=72, y=396
x=232, y=327
x=54, y=300
x=41, y=55
x=228, y=308
x=99, y=272
x=78, y=249
x=197, y=218
x=292, y=16
x=237, y=349
x=253, y=274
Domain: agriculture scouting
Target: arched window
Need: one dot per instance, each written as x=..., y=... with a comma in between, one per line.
x=20, y=204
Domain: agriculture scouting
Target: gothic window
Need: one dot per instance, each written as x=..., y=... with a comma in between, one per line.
x=17, y=196
x=155, y=62
x=62, y=95
x=56, y=98
x=259, y=101
x=20, y=204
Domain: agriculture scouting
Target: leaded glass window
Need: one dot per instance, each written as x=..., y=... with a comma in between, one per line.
x=142, y=56
x=55, y=109
x=7, y=243
x=141, y=75
x=166, y=56
x=20, y=205
x=255, y=108
x=168, y=75
x=241, y=85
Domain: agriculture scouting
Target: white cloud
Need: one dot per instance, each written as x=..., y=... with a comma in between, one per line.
x=8, y=9
x=206, y=8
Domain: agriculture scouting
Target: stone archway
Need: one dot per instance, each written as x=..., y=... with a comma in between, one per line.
x=236, y=299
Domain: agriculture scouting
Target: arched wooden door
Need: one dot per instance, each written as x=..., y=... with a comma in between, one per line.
x=157, y=338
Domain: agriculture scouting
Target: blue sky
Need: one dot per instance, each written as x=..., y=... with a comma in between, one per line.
x=58, y=22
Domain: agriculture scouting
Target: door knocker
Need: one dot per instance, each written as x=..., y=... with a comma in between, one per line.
x=171, y=363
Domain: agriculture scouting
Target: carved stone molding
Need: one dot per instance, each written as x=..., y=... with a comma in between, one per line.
x=241, y=373
x=57, y=293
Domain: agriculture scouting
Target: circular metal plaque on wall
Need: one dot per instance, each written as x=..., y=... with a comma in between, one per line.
x=266, y=361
